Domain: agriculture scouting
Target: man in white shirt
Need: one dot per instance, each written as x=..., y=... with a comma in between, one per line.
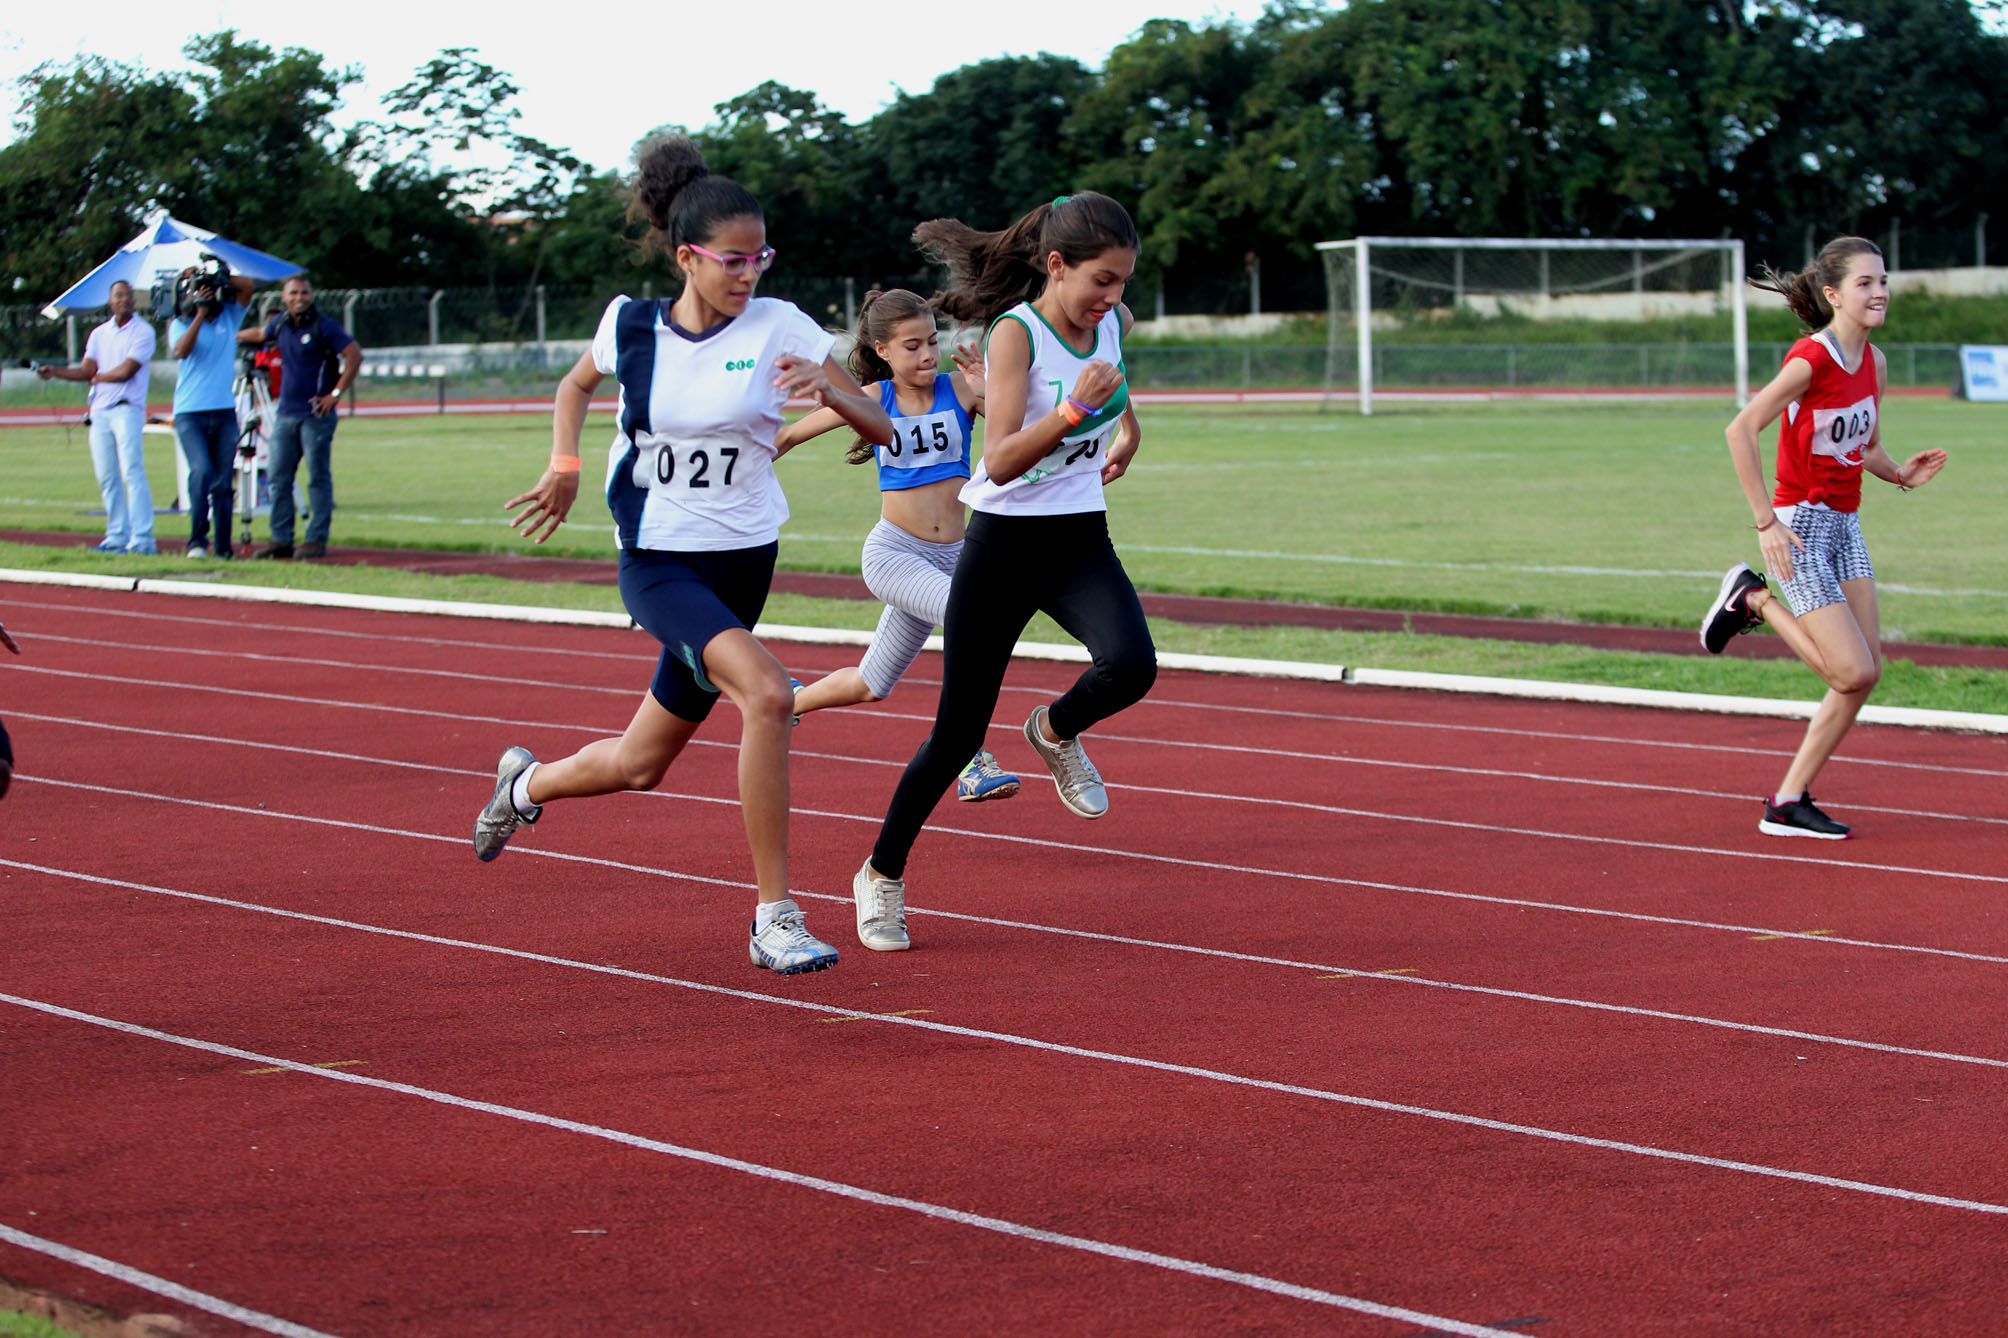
x=116, y=363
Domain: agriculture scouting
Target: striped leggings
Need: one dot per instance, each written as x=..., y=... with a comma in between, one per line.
x=911, y=576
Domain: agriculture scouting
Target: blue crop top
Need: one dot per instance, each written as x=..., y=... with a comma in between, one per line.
x=925, y=447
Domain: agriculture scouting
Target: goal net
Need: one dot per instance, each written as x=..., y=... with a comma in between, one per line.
x=1466, y=314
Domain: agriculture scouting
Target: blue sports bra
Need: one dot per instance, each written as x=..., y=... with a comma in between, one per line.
x=925, y=447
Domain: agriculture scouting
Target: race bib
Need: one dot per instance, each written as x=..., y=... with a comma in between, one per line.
x=1843, y=434
x=1069, y=455
x=922, y=441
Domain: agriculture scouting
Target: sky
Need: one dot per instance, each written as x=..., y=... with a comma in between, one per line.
x=596, y=87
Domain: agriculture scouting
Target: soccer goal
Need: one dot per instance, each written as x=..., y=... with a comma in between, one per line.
x=1417, y=283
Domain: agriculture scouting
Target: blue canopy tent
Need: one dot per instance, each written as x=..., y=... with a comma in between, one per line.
x=165, y=245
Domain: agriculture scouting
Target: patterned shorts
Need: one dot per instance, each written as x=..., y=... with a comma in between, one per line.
x=1833, y=552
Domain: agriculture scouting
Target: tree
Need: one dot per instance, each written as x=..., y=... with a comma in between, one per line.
x=984, y=144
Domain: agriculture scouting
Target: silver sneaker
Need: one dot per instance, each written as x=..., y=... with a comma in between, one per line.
x=881, y=911
x=496, y=822
x=786, y=947
x=1080, y=785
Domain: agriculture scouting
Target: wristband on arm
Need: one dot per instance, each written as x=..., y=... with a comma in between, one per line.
x=564, y=464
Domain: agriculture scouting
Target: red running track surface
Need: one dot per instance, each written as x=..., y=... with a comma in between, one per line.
x=1363, y=1012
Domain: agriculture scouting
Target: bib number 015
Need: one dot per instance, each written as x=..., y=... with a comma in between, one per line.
x=696, y=472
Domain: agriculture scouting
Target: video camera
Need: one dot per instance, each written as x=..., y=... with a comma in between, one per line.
x=203, y=288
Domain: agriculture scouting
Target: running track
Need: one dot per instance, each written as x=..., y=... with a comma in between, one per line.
x=1364, y=1012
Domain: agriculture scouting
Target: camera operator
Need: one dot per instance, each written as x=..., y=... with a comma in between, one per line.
x=116, y=363
x=210, y=303
x=310, y=392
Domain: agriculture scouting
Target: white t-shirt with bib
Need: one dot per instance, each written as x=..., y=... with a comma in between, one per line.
x=1068, y=479
x=691, y=468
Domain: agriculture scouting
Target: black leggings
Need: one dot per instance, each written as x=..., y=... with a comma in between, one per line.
x=1012, y=567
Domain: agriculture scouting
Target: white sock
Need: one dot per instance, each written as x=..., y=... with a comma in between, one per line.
x=764, y=913
x=519, y=793
x=1780, y=800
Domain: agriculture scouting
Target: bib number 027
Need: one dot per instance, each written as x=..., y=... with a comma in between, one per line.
x=696, y=471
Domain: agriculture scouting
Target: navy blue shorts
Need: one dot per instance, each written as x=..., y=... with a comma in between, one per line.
x=684, y=600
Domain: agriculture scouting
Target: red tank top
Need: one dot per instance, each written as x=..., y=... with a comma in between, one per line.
x=1825, y=431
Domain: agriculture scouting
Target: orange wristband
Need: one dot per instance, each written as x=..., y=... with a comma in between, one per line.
x=564, y=464
x=1070, y=412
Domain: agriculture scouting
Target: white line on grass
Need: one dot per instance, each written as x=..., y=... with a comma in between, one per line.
x=1048, y=1047
x=159, y=1286
x=937, y=1212
x=1156, y=945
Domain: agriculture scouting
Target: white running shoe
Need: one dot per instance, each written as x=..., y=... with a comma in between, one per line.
x=499, y=818
x=1080, y=785
x=786, y=947
x=881, y=911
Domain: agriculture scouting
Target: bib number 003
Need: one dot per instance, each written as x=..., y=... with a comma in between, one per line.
x=696, y=472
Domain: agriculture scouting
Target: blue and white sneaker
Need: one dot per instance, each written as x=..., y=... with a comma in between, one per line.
x=786, y=947
x=984, y=779
x=795, y=686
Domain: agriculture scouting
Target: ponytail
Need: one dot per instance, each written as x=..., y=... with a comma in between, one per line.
x=882, y=311
x=1804, y=290
x=991, y=272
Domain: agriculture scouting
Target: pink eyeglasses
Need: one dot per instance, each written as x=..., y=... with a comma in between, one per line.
x=735, y=264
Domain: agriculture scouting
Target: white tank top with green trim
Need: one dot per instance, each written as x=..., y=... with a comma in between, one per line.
x=1069, y=477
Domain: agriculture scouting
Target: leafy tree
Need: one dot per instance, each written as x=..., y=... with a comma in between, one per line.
x=984, y=144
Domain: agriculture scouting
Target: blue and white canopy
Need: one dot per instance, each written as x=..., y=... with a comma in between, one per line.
x=165, y=244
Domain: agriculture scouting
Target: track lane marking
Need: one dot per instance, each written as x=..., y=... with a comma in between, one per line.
x=1146, y=856
x=853, y=759
x=1319, y=1094
x=1161, y=702
x=159, y=1286
x=604, y=731
x=1625, y=1010
x=937, y=1212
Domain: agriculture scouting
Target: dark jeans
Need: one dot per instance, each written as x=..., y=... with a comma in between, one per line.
x=314, y=437
x=1012, y=567
x=209, y=442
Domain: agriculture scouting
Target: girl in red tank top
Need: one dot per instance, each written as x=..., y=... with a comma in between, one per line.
x=1829, y=393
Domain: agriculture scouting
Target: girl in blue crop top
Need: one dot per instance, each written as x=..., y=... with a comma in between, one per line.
x=910, y=555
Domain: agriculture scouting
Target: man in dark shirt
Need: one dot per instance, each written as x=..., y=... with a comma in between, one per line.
x=310, y=392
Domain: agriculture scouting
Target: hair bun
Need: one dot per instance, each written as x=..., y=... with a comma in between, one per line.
x=665, y=167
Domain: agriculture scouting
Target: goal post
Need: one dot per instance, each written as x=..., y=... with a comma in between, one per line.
x=1422, y=281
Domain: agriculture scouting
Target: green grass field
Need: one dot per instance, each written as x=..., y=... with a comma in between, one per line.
x=1619, y=513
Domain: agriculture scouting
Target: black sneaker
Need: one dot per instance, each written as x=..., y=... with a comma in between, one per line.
x=276, y=553
x=1801, y=817
x=1730, y=616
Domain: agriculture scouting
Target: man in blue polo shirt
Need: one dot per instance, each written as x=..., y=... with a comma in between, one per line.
x=310, y=391
x=205, y=407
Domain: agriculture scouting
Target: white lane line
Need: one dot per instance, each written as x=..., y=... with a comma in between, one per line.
x=520, y=649
x=852, y=759
x=159, y=1286
x=1157, y=945
x=611, y=730
x=1318, y=1094
x=1213, y=866
x=937, y=1212
x=457, y=675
